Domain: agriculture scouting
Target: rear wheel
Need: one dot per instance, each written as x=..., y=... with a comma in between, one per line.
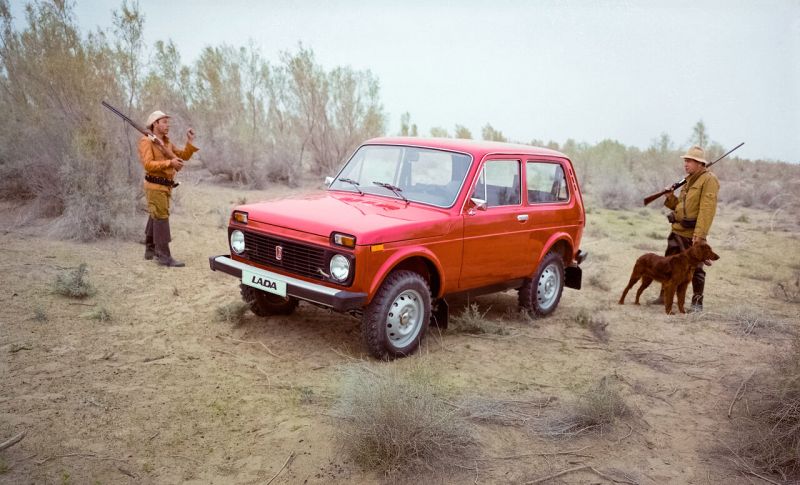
x=541, y=293
x=265, y=304
x=394, y=323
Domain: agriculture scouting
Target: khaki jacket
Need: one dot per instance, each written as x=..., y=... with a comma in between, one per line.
x=697, y=201
x=156, y=164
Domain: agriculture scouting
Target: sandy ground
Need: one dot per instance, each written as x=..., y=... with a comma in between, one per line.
x=164, y=392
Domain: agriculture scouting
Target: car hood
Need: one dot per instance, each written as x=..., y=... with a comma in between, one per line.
x=372, y=219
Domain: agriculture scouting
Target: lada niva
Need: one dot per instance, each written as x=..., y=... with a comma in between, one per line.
x=408, y=222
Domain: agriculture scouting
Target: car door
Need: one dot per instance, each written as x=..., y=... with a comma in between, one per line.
x=548, y=203
x=495, y=238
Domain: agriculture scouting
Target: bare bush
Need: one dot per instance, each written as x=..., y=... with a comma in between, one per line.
x=394, y=423
x=74, y=284
x=101, y=314
x=596, y=324
x=594, y=410
x=788, y=290
x=472, y=321
x=232, y=313
x=769, y=433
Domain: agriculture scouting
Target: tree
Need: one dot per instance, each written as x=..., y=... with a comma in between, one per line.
x=462, y=132
x=439, y=132
x=490, y=134
x=699, y=135
x=406, y=127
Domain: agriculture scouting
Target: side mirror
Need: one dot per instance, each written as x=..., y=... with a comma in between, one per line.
x=480, y=204
x=328, y=181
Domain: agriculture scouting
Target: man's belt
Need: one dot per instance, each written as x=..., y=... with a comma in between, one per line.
x=161, y=181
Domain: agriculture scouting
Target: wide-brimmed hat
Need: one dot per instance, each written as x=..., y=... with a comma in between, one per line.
x=697, y=154
x=155, y=116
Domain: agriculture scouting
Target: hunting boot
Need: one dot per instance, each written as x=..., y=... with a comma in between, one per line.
x=149, y=247
x=698, y=285
x=161, y=238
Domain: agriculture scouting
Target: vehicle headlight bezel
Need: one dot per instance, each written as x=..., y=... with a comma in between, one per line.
x=339, y=267
x=237, y=242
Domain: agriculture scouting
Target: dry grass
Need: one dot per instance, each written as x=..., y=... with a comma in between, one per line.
x=504, y=412
x=750, y=320
x=101, y=314
x=596, y=409
x=596, y=324
x=232, y=313
x=74, y=284
x=472, y=321
x=770, y=431
x=788, y=290
x=394, y=422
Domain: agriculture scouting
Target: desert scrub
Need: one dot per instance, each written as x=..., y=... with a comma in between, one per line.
x=595, y=409
x=594, y=323
x=788, y=290
x=472, y=321
x=394, y=422
x=101, y=314
x=232, y=313
x=74, y=284
x=769, y=431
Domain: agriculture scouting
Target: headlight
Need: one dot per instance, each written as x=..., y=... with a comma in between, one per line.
x=237, y=242
x=340, y=267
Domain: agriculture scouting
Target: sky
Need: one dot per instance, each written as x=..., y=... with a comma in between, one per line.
x=546, y=70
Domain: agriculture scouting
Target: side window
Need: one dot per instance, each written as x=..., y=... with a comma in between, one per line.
x=546, y=182
x=499, y=183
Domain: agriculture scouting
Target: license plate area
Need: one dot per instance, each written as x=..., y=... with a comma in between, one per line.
x=264, y=283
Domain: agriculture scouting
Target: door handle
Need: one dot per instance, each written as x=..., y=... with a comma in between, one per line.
x=522, y=217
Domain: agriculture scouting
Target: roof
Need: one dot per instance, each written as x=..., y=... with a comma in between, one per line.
x=474, y=147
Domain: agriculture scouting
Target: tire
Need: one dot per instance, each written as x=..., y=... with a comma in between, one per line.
x=541, y=293
x=265, y=304
x=395, y=321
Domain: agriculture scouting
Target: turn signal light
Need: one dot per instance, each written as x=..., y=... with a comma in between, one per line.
x=240, y=217
x=345, y=240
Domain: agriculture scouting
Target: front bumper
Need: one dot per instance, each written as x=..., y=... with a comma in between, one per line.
x=338, y=300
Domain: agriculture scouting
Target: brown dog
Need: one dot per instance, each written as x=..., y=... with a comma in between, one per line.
x=673, y=272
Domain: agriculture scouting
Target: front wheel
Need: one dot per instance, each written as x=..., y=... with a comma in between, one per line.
x=265, y=304
x=394, y=323
x=541, y=293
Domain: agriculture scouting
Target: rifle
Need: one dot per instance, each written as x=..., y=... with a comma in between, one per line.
x=682, y=182
x=144, y=131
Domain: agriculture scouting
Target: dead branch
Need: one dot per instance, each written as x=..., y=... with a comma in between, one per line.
x=291, y=455
x=270, y=352
x=736, y=396
x=526, y=455
x=584, y=467
x=13, y=441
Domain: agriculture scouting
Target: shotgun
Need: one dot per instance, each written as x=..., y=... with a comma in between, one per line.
x=682, y=182
x=144, y=131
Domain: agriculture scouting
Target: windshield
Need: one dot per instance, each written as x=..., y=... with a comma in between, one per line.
x=417, y=174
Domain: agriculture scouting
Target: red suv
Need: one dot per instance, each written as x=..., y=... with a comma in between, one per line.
x=407, y=222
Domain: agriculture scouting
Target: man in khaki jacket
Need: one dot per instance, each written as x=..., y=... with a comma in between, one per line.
x=692, y=214
x=161, y=161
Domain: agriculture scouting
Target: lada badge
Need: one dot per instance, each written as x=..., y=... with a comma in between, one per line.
x=278, y=253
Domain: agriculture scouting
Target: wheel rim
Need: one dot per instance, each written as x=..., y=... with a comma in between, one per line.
x=404, y=319
x=547, y=287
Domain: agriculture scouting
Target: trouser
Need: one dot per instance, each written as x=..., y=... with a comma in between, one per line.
x=677, y=243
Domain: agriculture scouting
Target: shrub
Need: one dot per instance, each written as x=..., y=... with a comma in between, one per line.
x=394, y=422
x=232, y=313
x=770, y=431
x=101, y=314
x=74, y=284
x=595, y=409
x=472, y=321
x=788, y=290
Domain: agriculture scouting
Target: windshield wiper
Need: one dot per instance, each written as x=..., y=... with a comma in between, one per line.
x=354, y=183
x=397, y=190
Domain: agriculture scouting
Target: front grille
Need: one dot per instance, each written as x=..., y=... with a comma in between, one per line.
x=297, y=258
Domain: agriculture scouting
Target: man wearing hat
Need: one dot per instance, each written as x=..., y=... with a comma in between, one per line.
x=692, y=214
x=161, y=161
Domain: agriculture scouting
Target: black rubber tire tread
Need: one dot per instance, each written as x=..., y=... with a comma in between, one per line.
x=527, y=293
x=373, y=334
x=266, y=304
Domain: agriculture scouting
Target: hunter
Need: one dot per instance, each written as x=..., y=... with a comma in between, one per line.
x=161, y=161
x=692, y=213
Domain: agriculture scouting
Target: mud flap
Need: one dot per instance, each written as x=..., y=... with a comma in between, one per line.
x=572, y=277
x=440, y=313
